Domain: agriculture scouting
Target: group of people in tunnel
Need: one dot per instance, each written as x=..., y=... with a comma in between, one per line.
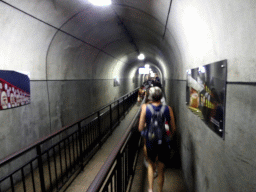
x=150, y=82
x=157, y=147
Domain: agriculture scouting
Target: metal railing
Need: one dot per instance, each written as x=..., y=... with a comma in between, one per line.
x=117, y=173
x=49, y=164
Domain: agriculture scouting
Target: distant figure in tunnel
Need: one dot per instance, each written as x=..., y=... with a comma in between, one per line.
x=157, y=79
x=157, y=139
x=157, y=84
x=141, y=94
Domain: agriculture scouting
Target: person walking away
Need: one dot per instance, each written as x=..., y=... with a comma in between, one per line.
x=141, y=94
x=157, y=144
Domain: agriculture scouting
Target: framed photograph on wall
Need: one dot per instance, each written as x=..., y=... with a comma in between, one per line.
x=14, y=89
x=206, y=94
x=116, y=81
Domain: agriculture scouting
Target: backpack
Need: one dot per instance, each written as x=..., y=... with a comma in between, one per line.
x=156, y=130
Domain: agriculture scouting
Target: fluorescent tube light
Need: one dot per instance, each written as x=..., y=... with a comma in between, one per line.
x=100, y=2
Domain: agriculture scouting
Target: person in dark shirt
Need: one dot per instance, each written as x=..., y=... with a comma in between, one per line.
x=155, y=151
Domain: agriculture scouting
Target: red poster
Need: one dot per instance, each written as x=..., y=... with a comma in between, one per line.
x=14, y=89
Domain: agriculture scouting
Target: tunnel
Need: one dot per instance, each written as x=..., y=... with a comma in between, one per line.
x=80, y=56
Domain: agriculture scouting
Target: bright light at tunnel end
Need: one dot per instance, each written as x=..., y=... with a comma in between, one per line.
x=100, y=2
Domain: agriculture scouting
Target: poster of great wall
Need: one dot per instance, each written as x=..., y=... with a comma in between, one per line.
x=14, y=89
x=206, y=94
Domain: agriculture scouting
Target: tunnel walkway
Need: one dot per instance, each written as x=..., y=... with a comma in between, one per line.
x=174, y=180
x=85, y=178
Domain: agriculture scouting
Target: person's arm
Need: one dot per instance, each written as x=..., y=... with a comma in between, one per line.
x=142, y=117
x=172, y=122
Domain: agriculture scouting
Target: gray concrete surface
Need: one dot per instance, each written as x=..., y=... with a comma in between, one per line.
x=85, y=178
x=66, y=45
x=174, y=180
x=208, y=161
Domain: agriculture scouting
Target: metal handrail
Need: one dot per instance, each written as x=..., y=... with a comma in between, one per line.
x=37, y=144
x=97, y=183
x=22, y=151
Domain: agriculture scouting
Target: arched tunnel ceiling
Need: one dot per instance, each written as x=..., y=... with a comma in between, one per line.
x=101, y=42
x=74, y=34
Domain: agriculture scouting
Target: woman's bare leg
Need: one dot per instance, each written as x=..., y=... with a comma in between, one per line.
x=151, y=169
x=160, y=176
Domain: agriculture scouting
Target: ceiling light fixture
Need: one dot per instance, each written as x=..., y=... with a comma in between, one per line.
x=143, y=70
x=100, y=2
x=141, y=57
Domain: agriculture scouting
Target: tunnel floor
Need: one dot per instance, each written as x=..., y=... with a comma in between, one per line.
x=174, y=181
x=85, y=178
x=173, y=176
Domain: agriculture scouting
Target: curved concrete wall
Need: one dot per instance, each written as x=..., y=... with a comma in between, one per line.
x=74, y=50
x=71, y=73
x=206, y=32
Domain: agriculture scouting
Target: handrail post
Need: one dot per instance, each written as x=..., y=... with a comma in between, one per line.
x=111, y=118
x=118, y=111
x=123, y=106
x=119, y=172
x=99, y=127
x=80, y=137
x=40, y=168
x=128, y=102
x=130, y=99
